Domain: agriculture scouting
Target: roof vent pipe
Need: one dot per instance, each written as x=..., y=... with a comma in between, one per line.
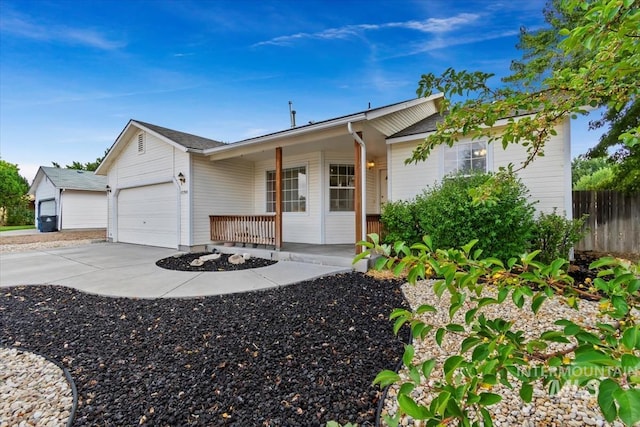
x=292, y=115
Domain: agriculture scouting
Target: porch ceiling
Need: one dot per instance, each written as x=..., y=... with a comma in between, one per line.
x=334, y=140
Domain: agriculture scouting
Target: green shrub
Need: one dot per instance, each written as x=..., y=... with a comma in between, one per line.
x=448, y=214
x=19, y=214
x=554, y=235
x=400, y=222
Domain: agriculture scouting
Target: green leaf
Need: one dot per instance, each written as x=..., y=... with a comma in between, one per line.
x=526, y=392
x=425, y=308
x=411, y=408
x=450, y=366
x=469, y=342
x=407, y=358
x=469, y=315
x=628, y=405
x=454, y=327
x=536, y=302
x=379, y=263
x=554, y=336
x=481, y=352
x=486, y=418
x=630, y=362
x=487, y=399
x=631, y=338
x=406, y=388
x=386, y=377
x=427, y=367
x=439, y=335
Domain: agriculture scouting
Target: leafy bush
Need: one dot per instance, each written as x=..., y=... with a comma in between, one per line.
x=448, y=214
x=400, y=222
x=602, y=179
x=554, y=235
x=604, y=359
x=19, y=214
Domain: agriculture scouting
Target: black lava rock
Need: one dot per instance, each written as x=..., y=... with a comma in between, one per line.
x=299, y=355
x=183, y=263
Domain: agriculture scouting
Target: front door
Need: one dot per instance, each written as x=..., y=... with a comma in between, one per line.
x=382, y=184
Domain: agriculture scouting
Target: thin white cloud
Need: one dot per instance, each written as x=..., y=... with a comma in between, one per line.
x=431, y=25
x=443, y=43
x=20, y=26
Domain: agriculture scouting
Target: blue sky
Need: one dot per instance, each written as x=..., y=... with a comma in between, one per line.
x=72, y=73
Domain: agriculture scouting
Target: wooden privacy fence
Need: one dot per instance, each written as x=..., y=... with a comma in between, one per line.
x=614, y=221
x=254, y=229
x=374, y=225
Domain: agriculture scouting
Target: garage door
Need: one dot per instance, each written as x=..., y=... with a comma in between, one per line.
x=47, y=208
x=83, y=209
x=148, y=215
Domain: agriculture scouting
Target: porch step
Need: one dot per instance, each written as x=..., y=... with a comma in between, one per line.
x=272, y=254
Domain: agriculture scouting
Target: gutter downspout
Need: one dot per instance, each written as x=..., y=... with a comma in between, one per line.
x=363, y=174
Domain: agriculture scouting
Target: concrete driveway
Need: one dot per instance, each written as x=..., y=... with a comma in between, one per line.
x=118, y=269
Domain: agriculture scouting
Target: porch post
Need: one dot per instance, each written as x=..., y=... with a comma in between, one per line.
x=357, y=205
x=278, y=197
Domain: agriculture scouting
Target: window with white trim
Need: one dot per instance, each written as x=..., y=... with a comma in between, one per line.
x=342, y=187
x=141, y=143
x=465, y=158
x=294, y=190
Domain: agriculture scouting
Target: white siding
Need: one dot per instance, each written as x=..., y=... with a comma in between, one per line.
x=407, y=181
x=44, y=191
x=83, y=209
x=547, y=178
x=297, y=227
x=219, y=188
x=159, y=163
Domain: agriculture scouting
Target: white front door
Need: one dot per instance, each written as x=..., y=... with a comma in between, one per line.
x=382, y=184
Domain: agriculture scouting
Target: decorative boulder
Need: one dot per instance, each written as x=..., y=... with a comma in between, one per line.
x=236, y=259
x=246, y=256
x=196, y=262
x=210, y=257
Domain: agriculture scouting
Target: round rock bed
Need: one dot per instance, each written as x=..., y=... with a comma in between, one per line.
x=184, y=262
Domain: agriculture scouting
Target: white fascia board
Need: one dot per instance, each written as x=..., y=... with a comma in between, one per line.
x=424, y=135
x=287, y=134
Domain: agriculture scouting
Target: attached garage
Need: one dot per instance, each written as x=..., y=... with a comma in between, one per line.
x=148, y=215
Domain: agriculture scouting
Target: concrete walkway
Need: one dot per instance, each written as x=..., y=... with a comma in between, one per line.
x=117, y=269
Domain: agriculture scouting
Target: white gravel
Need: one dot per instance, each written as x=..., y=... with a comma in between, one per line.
x=572, y=406
x=33, y=391
x=26, y=247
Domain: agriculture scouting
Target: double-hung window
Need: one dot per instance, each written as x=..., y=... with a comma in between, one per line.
x=341, y=187
x=465, y=158
x=294, y=190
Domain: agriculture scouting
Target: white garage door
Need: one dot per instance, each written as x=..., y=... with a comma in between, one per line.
x=83, y=209
x=47, y=208
x=148, y=215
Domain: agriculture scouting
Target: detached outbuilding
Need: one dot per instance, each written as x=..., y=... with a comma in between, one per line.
x=68, y=199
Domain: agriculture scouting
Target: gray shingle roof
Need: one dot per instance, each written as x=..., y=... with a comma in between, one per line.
x=72, y=179
x=425, y=125
x=185, y=139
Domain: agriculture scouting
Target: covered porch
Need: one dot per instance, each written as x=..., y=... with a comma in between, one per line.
x=319, y=184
